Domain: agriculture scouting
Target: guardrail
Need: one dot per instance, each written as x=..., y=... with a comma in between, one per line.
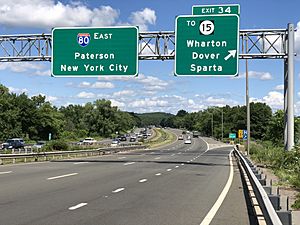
x=49, y=155
x=267, y=209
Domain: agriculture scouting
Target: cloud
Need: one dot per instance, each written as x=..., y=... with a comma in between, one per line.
x=43, y=73
x=96, y=85
x=279, y=87
x=117, y=103
x=123, y=93
x=20, y=67
x=257, y=75
x=86, y=95
x=48, y=98
x=274, y=99
x=148, y=102
x=17, y=90
x=143, y=18
x=49, y=13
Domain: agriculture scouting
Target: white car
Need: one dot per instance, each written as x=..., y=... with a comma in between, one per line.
x=89, y=141
x=180, y=137
x=188, y=141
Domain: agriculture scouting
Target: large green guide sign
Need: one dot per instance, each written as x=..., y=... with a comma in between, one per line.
x=92, y=52
x=207, y=45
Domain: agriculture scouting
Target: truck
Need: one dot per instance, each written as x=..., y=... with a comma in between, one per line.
x=196, y=134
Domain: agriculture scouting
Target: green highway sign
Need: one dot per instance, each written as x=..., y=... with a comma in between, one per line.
x=232, y=135
x=216, y=9
x=91, y=52
x=207, y=45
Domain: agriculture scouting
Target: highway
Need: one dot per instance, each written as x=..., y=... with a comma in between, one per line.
x=178, y=184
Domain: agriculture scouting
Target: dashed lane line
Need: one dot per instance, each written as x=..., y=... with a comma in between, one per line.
x=5, y=172
x=158, y=174
x=118, y=190
x=62, y=176
x=77, y=163
x=143, y=180
x=169, y=170
x=78, y=206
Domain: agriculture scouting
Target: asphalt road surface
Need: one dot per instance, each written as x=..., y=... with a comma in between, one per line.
x=179, y=184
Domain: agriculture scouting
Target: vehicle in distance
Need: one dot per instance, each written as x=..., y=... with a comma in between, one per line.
x=122, y=138
x=132, y=139
x=115, y=142
x=13, y=143
x=39, y=144
x=196, y=134
x=188, y=141
x=89, y=141
x=180, y=137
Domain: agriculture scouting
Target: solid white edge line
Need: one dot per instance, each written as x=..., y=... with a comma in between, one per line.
x=212, y=212
x=62, y=176
x=78, y=206
x=206, y=144
x=6, y=172
x=118, y=190
x=77, y=163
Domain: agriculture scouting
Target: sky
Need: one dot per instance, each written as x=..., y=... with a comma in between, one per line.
x=156, y=88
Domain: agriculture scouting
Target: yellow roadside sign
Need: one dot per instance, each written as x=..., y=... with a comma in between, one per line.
x=240, y=134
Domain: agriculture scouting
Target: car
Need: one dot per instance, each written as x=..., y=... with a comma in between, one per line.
x=115, y=143
x=132, y=139
x=122, y=138
x=188, y=141
x=89, y=141
x=13, y=143
x=149, y=134
x=39, y=144
x=180, y=137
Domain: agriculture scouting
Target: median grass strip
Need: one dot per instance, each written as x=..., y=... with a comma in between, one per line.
x=162, y=137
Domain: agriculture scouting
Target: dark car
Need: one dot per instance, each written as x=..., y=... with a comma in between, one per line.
x=123, y=138
x=132, y=139
x=13, y=143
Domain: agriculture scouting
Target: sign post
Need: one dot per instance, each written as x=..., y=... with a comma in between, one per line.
x=207, y=45
x=92, y=52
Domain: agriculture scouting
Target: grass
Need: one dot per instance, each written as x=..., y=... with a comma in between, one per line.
x=285, y=164
x=162, y=137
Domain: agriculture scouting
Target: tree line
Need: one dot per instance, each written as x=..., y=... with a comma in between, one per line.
x=34, y=118
x=265, y=125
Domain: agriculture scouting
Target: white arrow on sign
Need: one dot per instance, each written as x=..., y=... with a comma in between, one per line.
x=231, y=53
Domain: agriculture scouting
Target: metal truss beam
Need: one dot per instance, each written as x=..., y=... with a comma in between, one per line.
x=160, y=45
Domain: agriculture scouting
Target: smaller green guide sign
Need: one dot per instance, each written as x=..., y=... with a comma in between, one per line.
x=232, y=135
x=96, y=51
x=216, y=9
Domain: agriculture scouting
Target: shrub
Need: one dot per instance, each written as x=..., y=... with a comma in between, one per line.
x=56, y=145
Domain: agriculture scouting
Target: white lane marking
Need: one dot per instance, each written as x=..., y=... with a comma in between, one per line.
x=62, y=176
x=129, y=163
x=158, y=174
x=169, y=170
x=122, y=157
x=182, y=164
x=172, y=154
x=179, y=153
x=207, y=148
x=212, y=212
x=118, y=190
x=142, y=180
x=6, y=172
x=157, y=158
x=176, y=166
x=78, y=206
x=77, y=163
